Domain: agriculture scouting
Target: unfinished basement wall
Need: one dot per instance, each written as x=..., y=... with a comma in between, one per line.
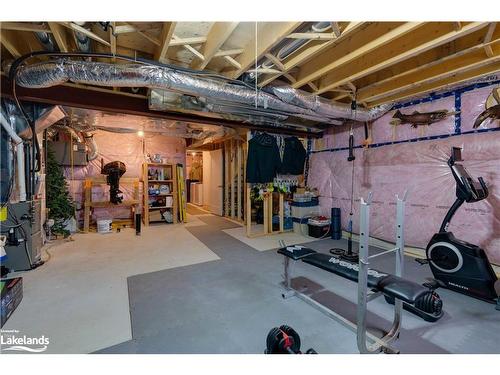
x=129, y=149
x=415, y=159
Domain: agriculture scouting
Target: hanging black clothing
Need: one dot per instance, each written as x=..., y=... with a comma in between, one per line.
x=294, y=157
x=263, y=160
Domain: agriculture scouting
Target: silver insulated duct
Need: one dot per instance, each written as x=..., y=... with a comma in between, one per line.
x=220, y=94
x=326, y=107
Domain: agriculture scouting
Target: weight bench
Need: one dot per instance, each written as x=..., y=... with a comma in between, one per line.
x=390, y=285
x=371, y=283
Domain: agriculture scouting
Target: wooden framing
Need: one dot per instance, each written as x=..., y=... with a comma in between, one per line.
x=360, y=44
x=487, y=39
x=60, y=36
x=270, y=35
x=311, y=50
x=25, y=26
x=432, y=73
x=173, y=192
x=8, y=41
x=216, y=37
x=441, y=84
x=166, y=36
x=421, y=41
x=88, y=203
x=384, y=61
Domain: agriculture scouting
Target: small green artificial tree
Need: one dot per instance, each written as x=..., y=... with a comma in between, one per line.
x=59, y=202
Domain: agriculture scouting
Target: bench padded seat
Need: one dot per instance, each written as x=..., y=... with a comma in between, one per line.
x=390, y=285
x=296, y=252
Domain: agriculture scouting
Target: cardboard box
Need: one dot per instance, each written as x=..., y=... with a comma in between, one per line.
x=11, y=297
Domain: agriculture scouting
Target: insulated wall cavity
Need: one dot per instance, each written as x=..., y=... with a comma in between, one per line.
x=403, y=158
x=129, y=149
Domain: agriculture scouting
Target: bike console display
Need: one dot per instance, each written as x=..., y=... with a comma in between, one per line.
x=468, y=189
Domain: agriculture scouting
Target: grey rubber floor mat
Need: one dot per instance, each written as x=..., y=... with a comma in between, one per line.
x=229, y=305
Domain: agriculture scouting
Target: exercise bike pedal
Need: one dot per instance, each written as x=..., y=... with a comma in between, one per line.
x=422, y=261
x=432, y=284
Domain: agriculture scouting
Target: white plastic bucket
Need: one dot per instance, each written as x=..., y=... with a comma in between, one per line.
x=104, y=226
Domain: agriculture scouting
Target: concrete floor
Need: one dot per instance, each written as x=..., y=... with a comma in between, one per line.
x=198, y=288
x=79, y=298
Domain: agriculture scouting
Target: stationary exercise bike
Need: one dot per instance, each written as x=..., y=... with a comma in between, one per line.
x=458, y=265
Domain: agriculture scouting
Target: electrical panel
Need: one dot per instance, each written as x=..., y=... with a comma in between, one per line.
x=68, y=154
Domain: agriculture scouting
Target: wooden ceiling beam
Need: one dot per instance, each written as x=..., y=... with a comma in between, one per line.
x=487, y=39
x=188, y=41
x=450, y=67
x=442, y=84
x=60, y=36
x=336, y=29
x=233, y=62
x=84, y=31
x=312, y=36
x=425, y=38
x=218, y=34
x=435, y=56
x=229, y=52
x=270, y=35
x=25, y=26
x=372, y=38
x=312, y=49
x=10, y=41
x=167, y=32
x=146, y=36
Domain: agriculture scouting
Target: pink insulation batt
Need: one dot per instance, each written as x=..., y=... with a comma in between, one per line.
x=128, y=149
x=419, y=167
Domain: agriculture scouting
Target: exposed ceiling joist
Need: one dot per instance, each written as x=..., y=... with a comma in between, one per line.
x=309, y=51
x=84, y=31
x=144, y=34
x=60, y=36
x=435, y=56
x=216, y=37
x=312, y=36
x=188, y=41
x=269, y=36
x=11, y=43
x=433, y=73
x=193, y=50
x=487, y=39
x=360, y=44
x=233, y=62
x=335, y=29
x=229, y=52
x=25, y=26
x=166, y=35
x=420, y=41
x=443, y=84
x=112, y=39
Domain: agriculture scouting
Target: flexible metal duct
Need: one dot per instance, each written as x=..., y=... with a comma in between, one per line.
x=46, y=41
x=287, y=47
x=47, y=74
x=82, y=40
x=325, y=107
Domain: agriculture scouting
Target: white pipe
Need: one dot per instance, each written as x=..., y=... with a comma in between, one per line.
x=19, y=147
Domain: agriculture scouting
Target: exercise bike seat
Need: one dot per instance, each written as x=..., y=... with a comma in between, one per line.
x=296, y=252
x=390, y=285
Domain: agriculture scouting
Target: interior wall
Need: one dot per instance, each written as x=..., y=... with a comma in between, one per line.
x=415, y=159
x=129, y=149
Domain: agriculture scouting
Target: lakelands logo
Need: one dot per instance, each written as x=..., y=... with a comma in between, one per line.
x=12, y=340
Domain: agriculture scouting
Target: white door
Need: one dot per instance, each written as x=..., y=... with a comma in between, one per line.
x=215, y=188
x=212, y=181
